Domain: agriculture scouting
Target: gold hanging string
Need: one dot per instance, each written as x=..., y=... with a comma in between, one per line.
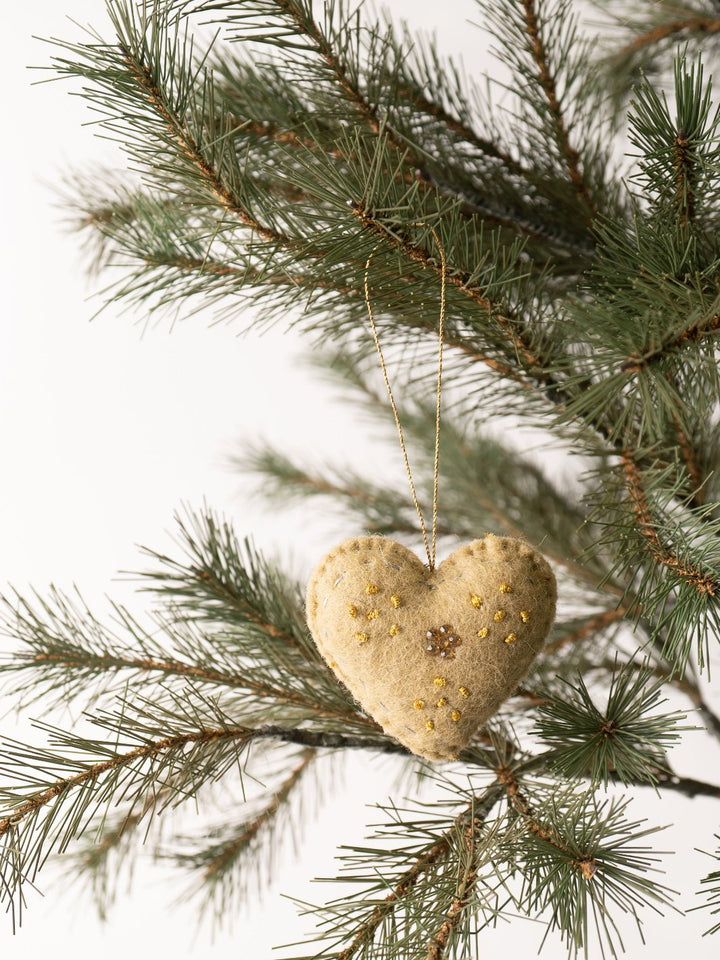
x=430, y=544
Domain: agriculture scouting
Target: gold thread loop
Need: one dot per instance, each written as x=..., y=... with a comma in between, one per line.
x=430, y=544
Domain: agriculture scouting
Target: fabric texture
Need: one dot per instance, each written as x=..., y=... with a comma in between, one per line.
x=431, y=655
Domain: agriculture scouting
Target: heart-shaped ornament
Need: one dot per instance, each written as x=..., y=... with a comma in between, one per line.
x=431, y=655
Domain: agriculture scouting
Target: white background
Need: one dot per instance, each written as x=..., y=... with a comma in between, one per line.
x=107, y=427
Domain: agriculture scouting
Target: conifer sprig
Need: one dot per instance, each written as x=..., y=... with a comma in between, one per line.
x=418, y=887
x=55, y=793
x=711, y=893
x=231, y=861
x=626, y=739
x=646, y=35
x=582, y=862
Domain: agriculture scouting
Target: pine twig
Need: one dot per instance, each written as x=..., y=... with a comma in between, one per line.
x=178, y=668
x=92, y=773
x=517, y=800
x=704, y=583
x=701, y=328
x=592, y=625
x=705, y=25
x=231, y=849
x=420, y=254
x=474, y=814
x=437, y=948
x=245, y=275
x=192, y=152
x=547, y=81
x=685, y=170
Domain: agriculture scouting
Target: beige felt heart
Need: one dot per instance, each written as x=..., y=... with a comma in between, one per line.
x=431, y=655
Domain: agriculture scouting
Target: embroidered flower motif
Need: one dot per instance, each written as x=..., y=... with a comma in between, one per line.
x=442, y=641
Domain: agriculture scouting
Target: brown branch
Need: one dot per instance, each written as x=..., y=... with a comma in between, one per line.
x=547, y=81
x=457, y=279
x=248, y=275
x=592, y=625
x=473, y=815
x=302, y=737
x=204, y=674
x=92, y=773
x=704, y=583
x=463, y=894
x=688, y=786
x=192, y=152
x=663, y=31
x=684, y=170
x=271, y=131
x=696, y=331
x=251, y=830
x=688, y=455
x=587, y=866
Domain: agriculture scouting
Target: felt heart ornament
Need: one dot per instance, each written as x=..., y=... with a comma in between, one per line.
x=431, y=655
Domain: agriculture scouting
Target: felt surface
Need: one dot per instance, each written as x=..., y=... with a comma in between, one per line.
x=431, y=655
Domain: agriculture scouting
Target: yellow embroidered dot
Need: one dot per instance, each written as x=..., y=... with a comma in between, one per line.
x=395, y=600
x=475, y=600
x=442, y=702
x=483, y=632
x=418, y=704
x=371, y=588
x=455, y=715
x=499, y=615
x=430, y=725
x=524, y=615
x=439, y=681
x=394, y=630
x=373, y=615
x=362, y=637
x=511, y=638
x=464, y=692
x=504, y=588
x=352, y=610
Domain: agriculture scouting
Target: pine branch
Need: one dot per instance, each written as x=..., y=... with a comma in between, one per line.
x=188, y=146
x=589, y=627
x=711, y=892
x=223, y=860
x=301, y=15
x=697, y=330
x=586, y=866
x=578, y=859
x=627, y=739
x=462, y=899
x=230, y=619
x=705, y=583
x=463, y=281
x=229, y=852
x=549, y=86
x=690, y=459
x=30, y=807
x=670, y=30
x=430, y=857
